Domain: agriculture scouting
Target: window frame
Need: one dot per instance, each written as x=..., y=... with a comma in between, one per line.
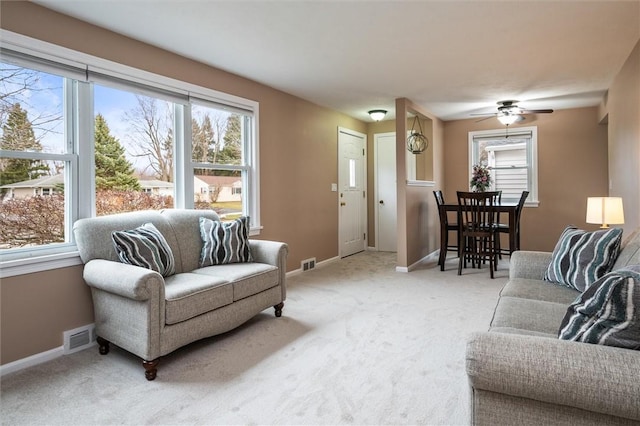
x=531, y=152
x=80, y=202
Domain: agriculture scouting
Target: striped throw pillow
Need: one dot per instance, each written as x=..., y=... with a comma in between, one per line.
x=580, y=258
x=608, y=312
x=224, y=242
x=144, y=246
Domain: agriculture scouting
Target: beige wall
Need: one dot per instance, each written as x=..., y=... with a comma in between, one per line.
x=572, y=165
x=623, y=105
x=298, y=163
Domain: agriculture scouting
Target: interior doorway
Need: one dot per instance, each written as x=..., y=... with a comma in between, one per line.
x=385, y=181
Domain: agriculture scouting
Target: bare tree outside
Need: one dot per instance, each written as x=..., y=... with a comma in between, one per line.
x=17, y=86
x=152, y=136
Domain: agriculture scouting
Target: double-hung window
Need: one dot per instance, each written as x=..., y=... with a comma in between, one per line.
x=81, y=136
x=512, y=160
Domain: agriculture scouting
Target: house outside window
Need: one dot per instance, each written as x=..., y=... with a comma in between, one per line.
x=127, y=167
x=512, y=160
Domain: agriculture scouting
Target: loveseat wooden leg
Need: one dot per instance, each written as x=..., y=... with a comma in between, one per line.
x=278, y=309
x=103, y=345
x=150, y=369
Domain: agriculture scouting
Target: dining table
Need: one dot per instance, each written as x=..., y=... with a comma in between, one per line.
x=509, y=208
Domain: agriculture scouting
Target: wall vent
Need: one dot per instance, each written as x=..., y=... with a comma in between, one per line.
x=79, y=338
x=308, y=264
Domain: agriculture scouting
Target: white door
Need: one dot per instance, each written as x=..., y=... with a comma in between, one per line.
x=351, y=193
x=385, y=188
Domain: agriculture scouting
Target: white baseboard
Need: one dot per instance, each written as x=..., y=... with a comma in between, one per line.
x=430, y=257
x=327, y=261
x=318, y=265
x=31, y=361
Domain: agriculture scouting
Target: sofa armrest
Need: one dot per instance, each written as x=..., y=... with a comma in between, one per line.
x=591, y=377
x=529, y=264
x=269, y=252
x=124, y=280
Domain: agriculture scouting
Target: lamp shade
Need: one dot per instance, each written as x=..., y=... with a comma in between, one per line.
x=605, y=211
x=377, y=114
x=508, y=119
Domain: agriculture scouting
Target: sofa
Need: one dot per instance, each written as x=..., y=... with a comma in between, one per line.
x=151, y=315
x=521, y=373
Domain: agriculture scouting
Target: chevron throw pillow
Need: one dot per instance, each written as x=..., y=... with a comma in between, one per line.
x=224, y=242
x=146, y=247
x=608, y=312
x=580, y=258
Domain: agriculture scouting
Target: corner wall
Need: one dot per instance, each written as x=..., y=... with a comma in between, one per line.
x=623, y=105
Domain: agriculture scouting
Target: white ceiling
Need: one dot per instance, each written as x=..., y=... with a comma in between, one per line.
x=451, y=57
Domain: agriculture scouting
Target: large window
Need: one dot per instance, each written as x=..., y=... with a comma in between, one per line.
x=512, y=160
x=81, y=137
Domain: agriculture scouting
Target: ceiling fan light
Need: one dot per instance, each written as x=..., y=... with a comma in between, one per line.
x=508, y=119
x=377, y=114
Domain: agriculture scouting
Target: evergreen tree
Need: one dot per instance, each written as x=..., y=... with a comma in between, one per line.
x=18, y=135
x=208, y=137
x=232, y=151
x=113, y=170
x=198, y=143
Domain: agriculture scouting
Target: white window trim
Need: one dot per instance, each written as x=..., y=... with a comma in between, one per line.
x=532, y=200
x=47, y=258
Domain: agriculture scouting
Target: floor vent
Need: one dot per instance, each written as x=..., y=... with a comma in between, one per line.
x=308, y=264
x=79, y=338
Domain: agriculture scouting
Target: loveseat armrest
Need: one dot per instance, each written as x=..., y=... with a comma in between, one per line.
x=270, y=252
x=129, y=281
x=529, y=264
x=591, y=377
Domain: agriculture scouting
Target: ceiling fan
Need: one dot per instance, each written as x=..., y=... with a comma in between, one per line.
x=509, y=112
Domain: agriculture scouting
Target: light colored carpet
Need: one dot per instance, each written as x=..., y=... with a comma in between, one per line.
x=358, y=343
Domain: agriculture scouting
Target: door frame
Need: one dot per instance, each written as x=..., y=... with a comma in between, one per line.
x=365, y=204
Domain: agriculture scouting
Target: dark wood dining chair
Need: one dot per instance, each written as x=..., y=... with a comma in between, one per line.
x=477, y=232
x=503, y=228
x=446, y=226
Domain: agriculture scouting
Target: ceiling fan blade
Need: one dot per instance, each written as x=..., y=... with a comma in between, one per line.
x=536, y=111
x=485, y=113
x=482, y=119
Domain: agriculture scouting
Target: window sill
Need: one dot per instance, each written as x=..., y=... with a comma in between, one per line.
x=12, y=268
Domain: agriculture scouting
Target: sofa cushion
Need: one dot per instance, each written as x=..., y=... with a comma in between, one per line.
x=522, y=332
x=188, y=295
x=144, y=246
x=528, y=314
x=608, y=312
x=247, y=279
x=581, y=257
x=539, y=290
x=224, y=242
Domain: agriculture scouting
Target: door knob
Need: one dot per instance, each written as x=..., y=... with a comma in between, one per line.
x=343, y=204
x=382, y=202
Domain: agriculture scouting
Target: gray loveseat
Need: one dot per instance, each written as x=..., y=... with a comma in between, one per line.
x=149, y=315
x=520, y=373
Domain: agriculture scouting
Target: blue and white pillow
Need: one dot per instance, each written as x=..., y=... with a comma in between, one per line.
x=224, y=242
x=608, y=312
x=146, y=247
x=580, y=258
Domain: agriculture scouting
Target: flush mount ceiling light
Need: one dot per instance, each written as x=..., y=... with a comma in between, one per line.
x=377, y=114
